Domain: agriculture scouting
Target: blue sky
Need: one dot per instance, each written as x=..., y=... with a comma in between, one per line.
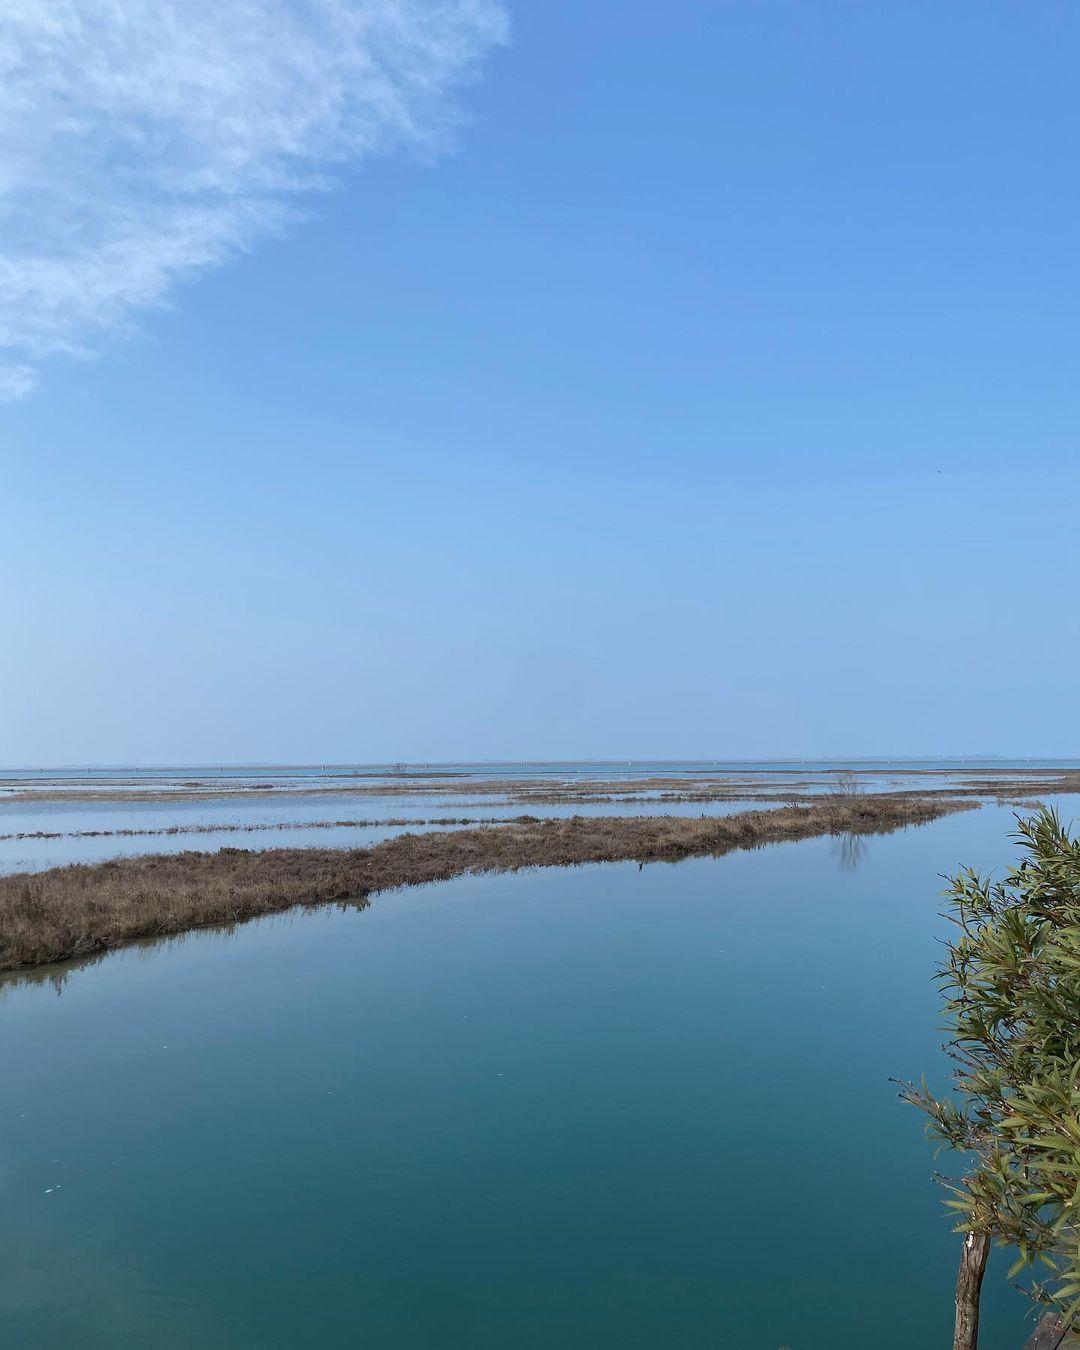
x=630, y=380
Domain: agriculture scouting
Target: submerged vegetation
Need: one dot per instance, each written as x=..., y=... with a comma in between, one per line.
x=85, y=908
x=258, y=827
x=1012, y=999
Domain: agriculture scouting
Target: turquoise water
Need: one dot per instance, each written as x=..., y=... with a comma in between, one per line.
x=605, y=1107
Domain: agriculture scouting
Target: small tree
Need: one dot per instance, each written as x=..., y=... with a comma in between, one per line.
x=1012, y=1001
x=847, y=785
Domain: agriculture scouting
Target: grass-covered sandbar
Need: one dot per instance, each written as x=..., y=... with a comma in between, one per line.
x=85, y=908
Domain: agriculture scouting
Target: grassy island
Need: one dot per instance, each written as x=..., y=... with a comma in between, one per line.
x=89, y=907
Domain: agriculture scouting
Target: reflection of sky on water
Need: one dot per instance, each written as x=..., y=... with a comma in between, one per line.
x=20, y=855
x=288, y=805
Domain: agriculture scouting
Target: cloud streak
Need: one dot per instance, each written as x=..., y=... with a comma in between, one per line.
x=143, y=142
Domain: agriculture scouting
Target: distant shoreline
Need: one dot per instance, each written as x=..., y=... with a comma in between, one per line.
x=86, y=908
x=762, y=784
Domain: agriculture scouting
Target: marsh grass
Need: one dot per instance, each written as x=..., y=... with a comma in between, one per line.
x=89, y=907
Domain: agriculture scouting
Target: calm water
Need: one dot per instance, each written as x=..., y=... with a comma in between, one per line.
x=540, y=770
x=95, y=803
x=67, y=826
x=592, y=1108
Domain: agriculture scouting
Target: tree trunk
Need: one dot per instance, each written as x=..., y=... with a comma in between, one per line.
x=968, y=1285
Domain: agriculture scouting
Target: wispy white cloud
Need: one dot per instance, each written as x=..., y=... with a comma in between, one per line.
x=144, y=141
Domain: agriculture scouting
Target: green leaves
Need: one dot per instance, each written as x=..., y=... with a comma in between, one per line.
x=1011, y=991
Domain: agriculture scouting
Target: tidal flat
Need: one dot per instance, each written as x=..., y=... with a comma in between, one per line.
x=49, y=818
x=84, y=908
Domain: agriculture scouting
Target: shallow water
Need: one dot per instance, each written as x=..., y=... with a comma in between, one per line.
x=236, y=799
x=603, y=1107
x=541, y=771
x=83, y=831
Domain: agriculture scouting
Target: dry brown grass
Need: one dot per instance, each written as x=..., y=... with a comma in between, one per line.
x=90, y=907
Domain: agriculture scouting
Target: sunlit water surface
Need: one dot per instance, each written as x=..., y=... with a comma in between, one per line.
x=603, y=1107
